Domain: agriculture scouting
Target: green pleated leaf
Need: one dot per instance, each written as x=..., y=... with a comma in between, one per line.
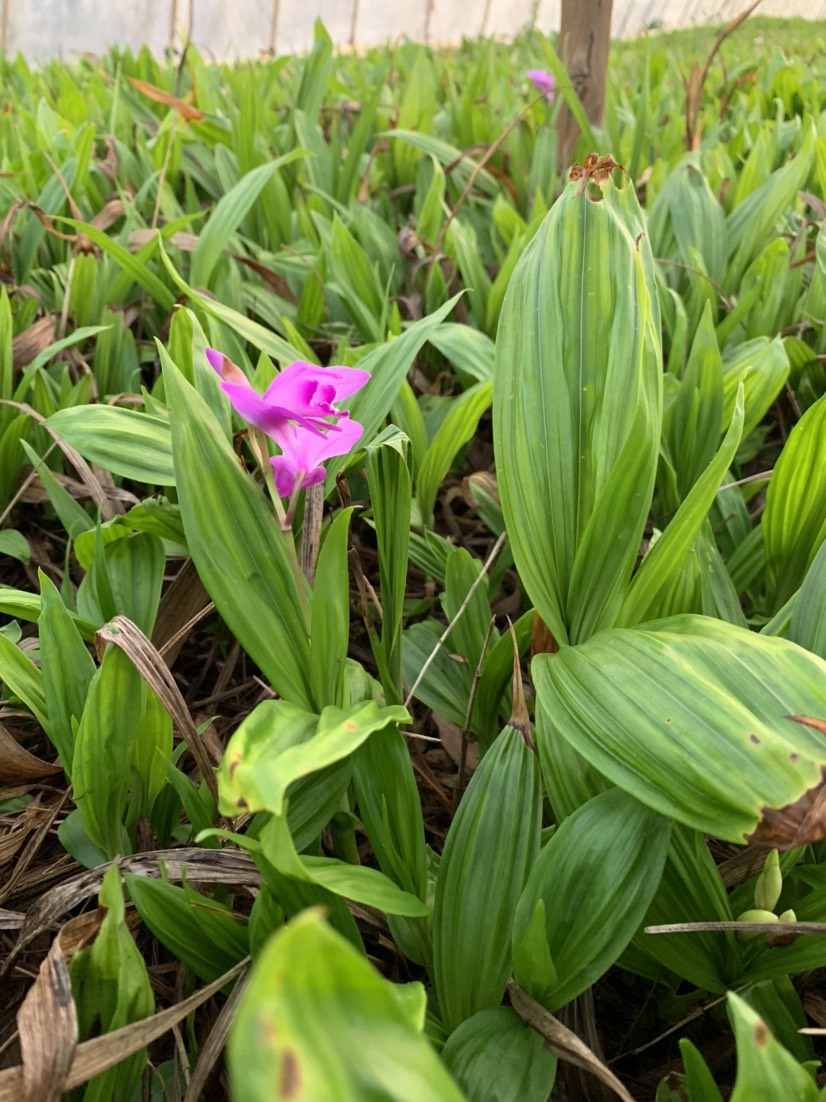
x=594, y=879
x=229, y=212
x=279, y=743
x=749, y=225
x=495, y=1057
x=203, y=933
x=490, y=848
x=111, y=989
x=794, y=523
x=577, y=407
x=127, y=443
x=103, y=748
x=317, y=1021
x=692, y=716
x=388, y=476
x=808, y=623
x=128, y=262
x=662, y=568
x=236, y=545
x=23, y=679
x=766, y=1071
x=349, y=881
x=454, y=432
x=330, y=615
x=67, y=670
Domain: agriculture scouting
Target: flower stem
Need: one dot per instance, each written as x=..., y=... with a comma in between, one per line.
x=258, y=443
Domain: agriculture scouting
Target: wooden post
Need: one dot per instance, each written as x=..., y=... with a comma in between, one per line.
x=585, y=37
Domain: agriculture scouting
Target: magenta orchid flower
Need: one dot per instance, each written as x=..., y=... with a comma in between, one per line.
x=303, y=452
x=302, y=393
x=543, y=81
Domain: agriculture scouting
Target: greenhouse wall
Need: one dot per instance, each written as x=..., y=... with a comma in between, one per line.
x=248, y=28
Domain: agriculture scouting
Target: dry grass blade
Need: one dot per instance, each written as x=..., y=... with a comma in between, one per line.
x=27, y=345
x=214, y=1046
x=748, y=927
x=155, y=672
x=212, y=866
x=108, y=511
x=47, y=1023
x=11, y=920
x=101, y=1053
x=696, y=81
x=185, y=110
x=17, y=764
x=184, y=604
x=497, y=547
x=560, y=1041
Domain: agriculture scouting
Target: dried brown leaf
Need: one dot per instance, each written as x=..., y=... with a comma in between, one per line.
x=17, y=764
x=183, y=605
x=212, y=1048
x=155, y=672
x=101, y=1053
x=209, y=866
x=561, y=1041
x=184, y=109
x=96, y=492
x=47, y=1022
x=186, y=242
x=27, y=345
x=11, y=920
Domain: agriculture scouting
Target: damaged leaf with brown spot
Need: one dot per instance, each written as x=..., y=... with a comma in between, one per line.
x=318, y=1023
x=696, y=718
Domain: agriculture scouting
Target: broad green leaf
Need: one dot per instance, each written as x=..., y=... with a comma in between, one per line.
x=129, y=262
x=125, y=579
x=350, y=881
x=808, y=623
x=691, y=891
x=388, y=477
x=490, y=848
x=469, y=351
x=73, y=516
x=111, y=989
x=748, y=227
x=203, y=933
x=67, y=670
x=23, y=679
x=693, y=421
x=762, y=366
x=228, y=214
x=690, y=715
x=766, y=1071
x=296, y=1028
x=127, y=443
x=390, y=808
x=278, y=743
x=26, y=606
x=698, y=1078
x=455, y=431
x=495, y=1057
x=241, y=555
x=14, y=544
x=794, y=523
x=595, y=879
x=577, y=407
x=662, y=567
x=103, y=746
x=388, y=365
x=330, y=615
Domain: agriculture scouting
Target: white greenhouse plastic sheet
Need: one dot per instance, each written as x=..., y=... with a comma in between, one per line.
x=226, y=29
